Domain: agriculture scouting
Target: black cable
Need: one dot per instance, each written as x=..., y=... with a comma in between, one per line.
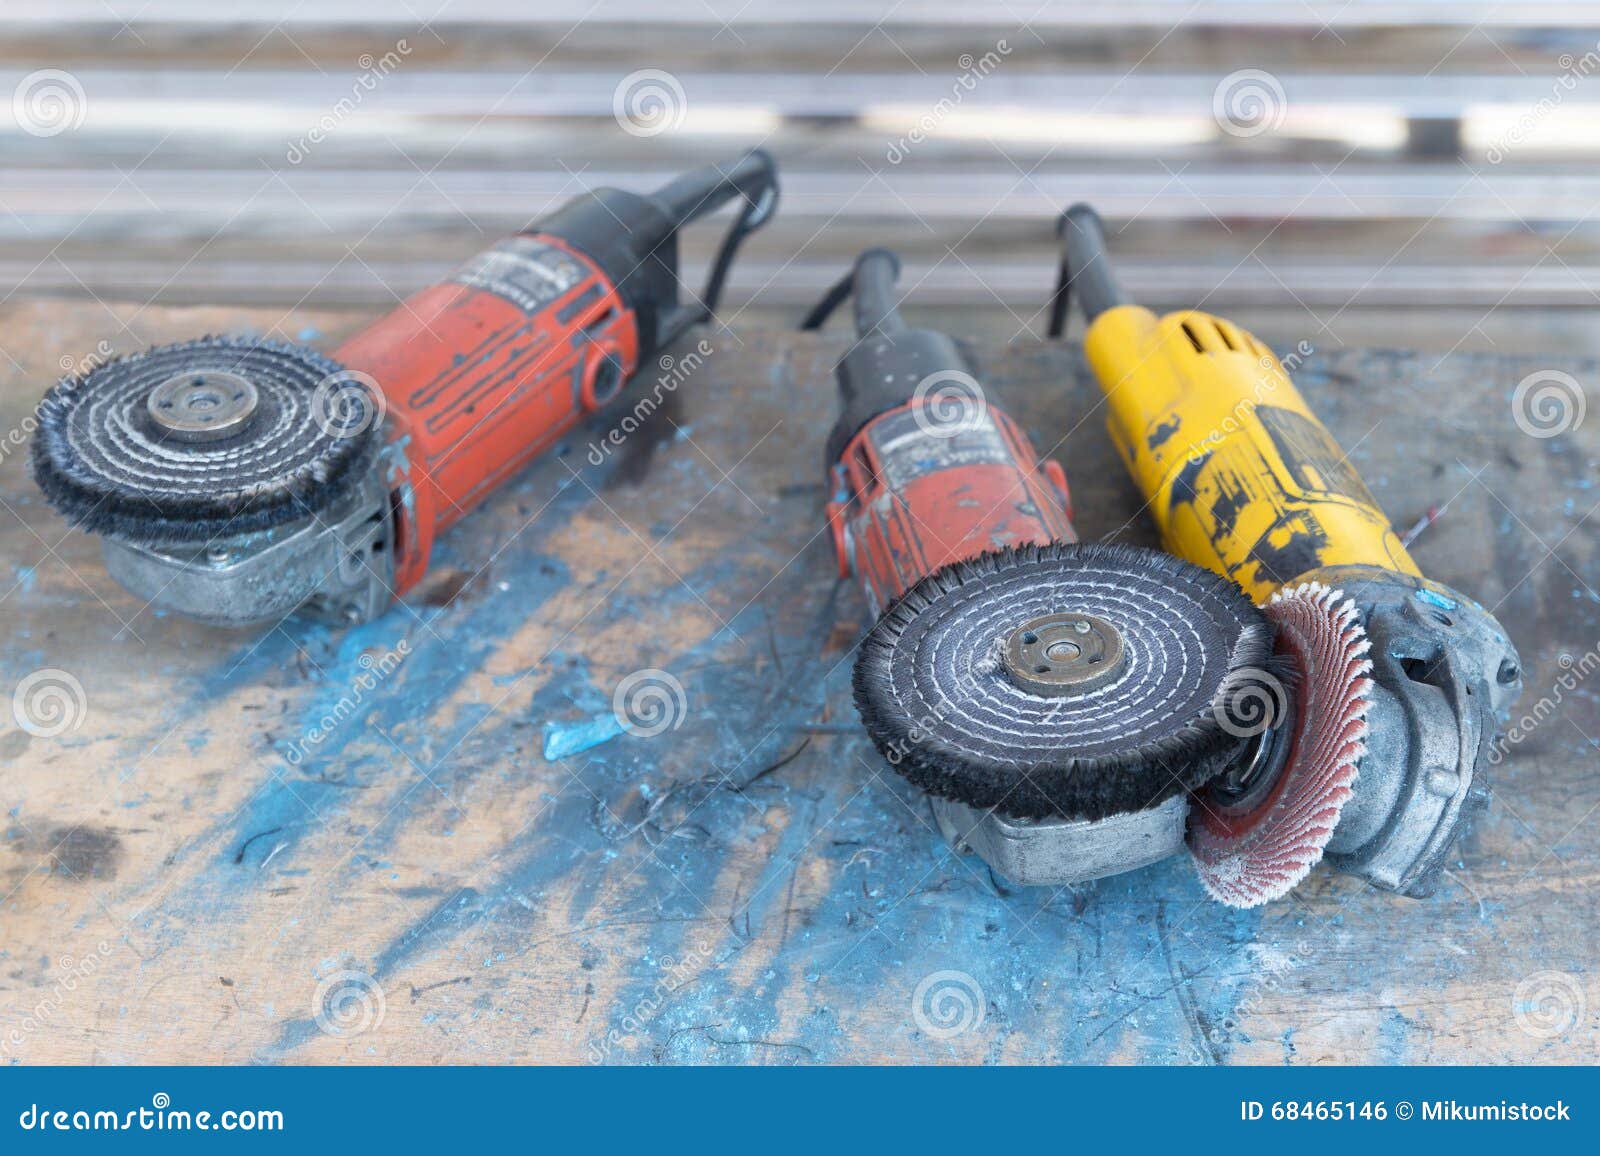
x=1085, y=266
x=872, y=282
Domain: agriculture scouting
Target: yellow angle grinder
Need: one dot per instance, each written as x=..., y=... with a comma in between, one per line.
x=1370, y=746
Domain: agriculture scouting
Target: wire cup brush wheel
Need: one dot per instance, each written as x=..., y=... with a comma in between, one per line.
x=219, y=436
x=1064, y=680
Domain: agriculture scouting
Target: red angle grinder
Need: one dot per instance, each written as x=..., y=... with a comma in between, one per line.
x=1058, y=701
x=1370, y=743
x=236, y=481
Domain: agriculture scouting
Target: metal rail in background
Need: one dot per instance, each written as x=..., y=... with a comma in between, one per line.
x=217, y=96
x=1042, y=14
x=1021, y=288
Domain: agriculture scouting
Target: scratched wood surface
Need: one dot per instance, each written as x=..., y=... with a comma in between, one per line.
x=422, y=884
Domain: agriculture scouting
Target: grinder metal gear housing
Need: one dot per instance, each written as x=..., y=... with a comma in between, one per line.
x=236, y=481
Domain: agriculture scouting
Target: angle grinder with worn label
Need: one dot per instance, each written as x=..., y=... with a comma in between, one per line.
x=1058, y=701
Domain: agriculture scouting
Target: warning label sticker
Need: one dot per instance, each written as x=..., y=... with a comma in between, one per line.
x=911, y=444
x=528, y=273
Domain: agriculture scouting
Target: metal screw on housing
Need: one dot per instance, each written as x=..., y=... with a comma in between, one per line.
x=203, y=406
x=1063, y=654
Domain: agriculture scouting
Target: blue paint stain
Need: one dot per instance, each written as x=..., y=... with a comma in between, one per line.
x=562, y=740
x=309, y=334
x=860, y=896
x=1435, y=599
x=26, y=578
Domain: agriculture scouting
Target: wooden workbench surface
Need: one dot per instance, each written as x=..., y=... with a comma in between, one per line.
x=754, y=886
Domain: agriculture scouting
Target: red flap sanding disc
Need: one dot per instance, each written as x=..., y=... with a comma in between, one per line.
x=1257, y=848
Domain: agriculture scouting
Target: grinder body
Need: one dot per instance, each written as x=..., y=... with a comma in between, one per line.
x=1240, y=475
x=482, y=373
x=907, y=502
x=923, y=470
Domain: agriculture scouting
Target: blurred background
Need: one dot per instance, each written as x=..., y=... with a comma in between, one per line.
x=1413, y=174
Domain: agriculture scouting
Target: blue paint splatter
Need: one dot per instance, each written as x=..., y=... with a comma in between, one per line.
x=564, y=739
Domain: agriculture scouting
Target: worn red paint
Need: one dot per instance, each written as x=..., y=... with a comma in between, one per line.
x=479, y=381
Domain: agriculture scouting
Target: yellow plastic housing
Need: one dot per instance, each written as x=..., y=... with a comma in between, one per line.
x=1239, y=474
